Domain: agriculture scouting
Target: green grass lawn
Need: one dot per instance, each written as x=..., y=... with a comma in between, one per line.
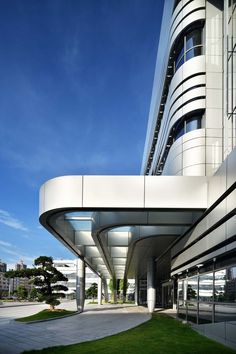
x=161, y=335
x=45, y=315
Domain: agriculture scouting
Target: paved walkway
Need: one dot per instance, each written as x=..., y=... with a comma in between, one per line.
x=95, y=322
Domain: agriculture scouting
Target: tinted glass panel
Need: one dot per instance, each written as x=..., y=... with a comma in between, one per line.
x=192, y=311
x=194, y=52
x=193, y=38
x=230, y=288
x=205, y=313
x=192, y=288
x=206, y=287
x=220, y=282
x=179, y=130
x=225, y=313
x=180, y=292
x=193, y=123
x=179, y=63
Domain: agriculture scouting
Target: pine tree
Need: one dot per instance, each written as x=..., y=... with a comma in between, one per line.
x=45, y=277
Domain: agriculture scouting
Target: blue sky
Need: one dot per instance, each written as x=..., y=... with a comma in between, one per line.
x=76, y=79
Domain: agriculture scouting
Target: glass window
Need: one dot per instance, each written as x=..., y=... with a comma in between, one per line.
x=179, y=63
x=194, y=52
x=230, y=287
x=180, y=291
x=225, y=285
x=179, y=130
x=193, y=123
x=220, y=282
x=193, y=38
x=206, y=287
x=192, y=311
x=225, y=313
x=192, y=288
x=189, y=46
x=205, y=313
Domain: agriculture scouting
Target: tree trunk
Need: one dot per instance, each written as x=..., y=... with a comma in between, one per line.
x=52, y=307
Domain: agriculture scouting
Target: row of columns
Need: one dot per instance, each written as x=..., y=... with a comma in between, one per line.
x=151, y=289
x=80, y=286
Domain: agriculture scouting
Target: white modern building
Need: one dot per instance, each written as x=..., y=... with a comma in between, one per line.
x=173, y=228
x=68, y=267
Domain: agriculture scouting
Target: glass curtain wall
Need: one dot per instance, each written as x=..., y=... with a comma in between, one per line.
x=208, y=297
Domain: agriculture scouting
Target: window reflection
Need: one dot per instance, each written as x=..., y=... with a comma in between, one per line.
x=206, y=287
x=225, y=285
x=205, y=313
x=198, y=303
x=225, y=313
x=192, y=311
x=220, y=282
x=192, y=288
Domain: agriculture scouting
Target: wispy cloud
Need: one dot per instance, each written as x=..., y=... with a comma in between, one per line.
x=15, y=254
x=7, y=219
x=3, y=243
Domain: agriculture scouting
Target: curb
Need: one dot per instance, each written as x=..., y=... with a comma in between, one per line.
x=49, y=319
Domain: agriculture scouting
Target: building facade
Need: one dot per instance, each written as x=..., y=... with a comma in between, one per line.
x=191, y=131
x=172, y=229
x=4, y=282
x=68, y=268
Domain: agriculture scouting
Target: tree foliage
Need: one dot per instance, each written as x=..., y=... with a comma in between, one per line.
x=45, y=277
x=21, y=292
x=92, y=291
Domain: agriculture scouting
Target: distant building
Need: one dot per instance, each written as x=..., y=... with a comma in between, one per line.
x=15, y=282
x=4, y=282
x=68, y=267
x=20, y=265
x=3, y=267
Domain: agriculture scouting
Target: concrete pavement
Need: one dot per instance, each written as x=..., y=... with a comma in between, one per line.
x=95, y=322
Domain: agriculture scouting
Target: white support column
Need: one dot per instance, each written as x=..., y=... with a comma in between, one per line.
x=136, y=291
x=80, y=284
x=99, y=291
x=104, y=283
x=151, y=291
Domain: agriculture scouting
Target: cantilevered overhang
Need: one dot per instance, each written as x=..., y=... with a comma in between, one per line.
x=104, y=219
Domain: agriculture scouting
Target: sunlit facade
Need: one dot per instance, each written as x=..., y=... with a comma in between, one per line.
x=173, y=228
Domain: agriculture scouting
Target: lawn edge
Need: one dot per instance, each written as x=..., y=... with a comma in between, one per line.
x=49, y=319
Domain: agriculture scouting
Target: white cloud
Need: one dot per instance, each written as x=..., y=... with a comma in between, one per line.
x=15, y=255
x=7, y=219
x=7, y=244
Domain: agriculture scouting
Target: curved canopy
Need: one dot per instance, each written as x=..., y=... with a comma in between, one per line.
x=115, y=223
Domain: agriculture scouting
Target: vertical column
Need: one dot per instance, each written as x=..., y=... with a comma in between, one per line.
x=115, y=290
x=104, y=283
x=151, y=291
x=99, y=291
x=80, y=284
x=136, y=291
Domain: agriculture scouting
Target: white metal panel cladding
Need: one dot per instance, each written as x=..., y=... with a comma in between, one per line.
x=113, y=191
x=183, y=75
x=63, y=191
x=124, y=192
x=178, y=160
x=170, y=193
x=191, y=18
x=189, y=70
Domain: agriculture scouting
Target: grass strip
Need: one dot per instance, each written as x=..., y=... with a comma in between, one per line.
x=45, y=315
x=161, y=335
